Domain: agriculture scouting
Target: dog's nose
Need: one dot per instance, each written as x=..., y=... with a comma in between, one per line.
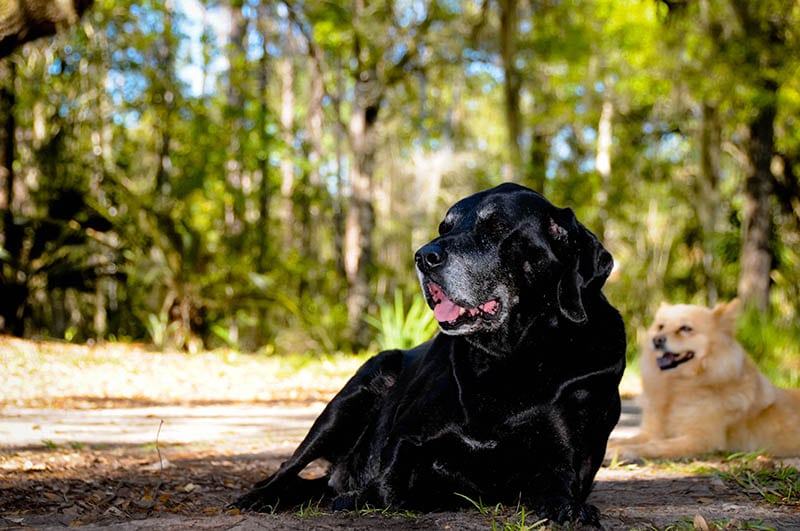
x=659, y=341
x=429, y=257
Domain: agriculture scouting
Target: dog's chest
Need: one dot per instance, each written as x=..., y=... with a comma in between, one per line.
x=507, y=404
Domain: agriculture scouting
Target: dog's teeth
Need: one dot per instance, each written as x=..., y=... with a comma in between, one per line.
x=461, y=311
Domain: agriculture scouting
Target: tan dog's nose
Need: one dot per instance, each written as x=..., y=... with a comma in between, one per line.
x=659, y=341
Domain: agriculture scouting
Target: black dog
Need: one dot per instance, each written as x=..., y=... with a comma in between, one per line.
x=513, y=401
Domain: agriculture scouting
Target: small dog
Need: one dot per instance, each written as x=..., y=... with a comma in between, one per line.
x=702, y=393
x=513, y=401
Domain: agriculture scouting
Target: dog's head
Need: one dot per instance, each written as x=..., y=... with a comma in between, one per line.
x=507, y=255
x=685, y=338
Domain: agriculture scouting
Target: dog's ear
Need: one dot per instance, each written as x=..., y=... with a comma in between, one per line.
x=587, y=263
x=726, y=314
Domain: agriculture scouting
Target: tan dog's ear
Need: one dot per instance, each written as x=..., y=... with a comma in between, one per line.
x=726, y=314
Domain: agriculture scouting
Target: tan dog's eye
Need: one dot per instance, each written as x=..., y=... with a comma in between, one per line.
x=660, y=327
x=685, y=329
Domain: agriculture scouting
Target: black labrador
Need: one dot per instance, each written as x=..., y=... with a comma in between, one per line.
x=515, y=399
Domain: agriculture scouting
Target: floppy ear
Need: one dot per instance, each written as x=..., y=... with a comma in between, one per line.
x=587, y=263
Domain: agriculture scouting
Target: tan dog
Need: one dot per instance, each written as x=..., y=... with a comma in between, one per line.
x=702, y=393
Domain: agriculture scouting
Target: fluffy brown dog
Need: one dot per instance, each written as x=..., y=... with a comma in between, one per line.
x=702, y=393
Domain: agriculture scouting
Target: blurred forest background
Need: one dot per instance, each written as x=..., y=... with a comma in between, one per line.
x=258, y=174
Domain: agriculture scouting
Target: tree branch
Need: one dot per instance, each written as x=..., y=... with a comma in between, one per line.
x=25, y=20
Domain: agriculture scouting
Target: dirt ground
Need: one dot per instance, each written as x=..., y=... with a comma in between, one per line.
x=118, y=437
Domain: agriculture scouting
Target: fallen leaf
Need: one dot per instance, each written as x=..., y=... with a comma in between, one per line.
x=157, y=466
x=29, y=466
x=114, y=511
x=700, y=523
x=71, y=511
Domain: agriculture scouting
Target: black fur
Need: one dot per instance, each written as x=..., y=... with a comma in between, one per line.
x=513, y=401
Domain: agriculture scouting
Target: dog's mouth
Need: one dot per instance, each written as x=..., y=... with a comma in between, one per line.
x=670, y=360
x=451, y=314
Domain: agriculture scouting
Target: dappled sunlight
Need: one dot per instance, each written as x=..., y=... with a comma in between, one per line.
x=81, y=455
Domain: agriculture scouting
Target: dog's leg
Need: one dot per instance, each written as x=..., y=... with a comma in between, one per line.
x=687, y=445
x=332, y=435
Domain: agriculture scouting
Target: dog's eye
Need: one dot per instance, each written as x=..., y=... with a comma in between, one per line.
x=660, y=327
x=685, y=329
x=445, y=227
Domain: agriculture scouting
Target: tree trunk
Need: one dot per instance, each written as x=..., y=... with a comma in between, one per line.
x=756, y=257
x=286, y=74
x=361, y=215
x=15, y=293
x=708, y=194
x=7, y=126
x=537, y=168
x=234, y=217
x=314, y=127
x=339, y=201
x=602, y=161
x=25, y=20
x=264, y=191
x=512, y=85
x=166, y=60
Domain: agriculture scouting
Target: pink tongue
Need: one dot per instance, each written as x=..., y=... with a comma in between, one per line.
x=446, y=311
x=490, y=307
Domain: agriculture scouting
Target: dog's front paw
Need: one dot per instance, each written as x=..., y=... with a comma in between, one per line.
x=259, y=500
x=562, y=510
x=345, y=502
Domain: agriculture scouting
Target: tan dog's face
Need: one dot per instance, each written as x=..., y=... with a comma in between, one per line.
x=681, y=334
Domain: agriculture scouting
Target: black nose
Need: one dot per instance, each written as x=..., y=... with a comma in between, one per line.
x=659, y=341
x=429, y=257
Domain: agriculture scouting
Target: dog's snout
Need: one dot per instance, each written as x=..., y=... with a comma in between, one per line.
x=659, y=341
x=429, y=257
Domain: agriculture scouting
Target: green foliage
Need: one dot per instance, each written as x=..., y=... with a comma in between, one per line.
x=401, y=328
x=204, y=211
x=774, y=343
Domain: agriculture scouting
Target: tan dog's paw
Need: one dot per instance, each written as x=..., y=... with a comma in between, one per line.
x=617, y=452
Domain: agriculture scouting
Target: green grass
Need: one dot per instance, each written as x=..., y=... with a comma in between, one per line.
x=369, y=510
x=505, y=519
x=700, y=523
x=311, y=509
x=761, y=477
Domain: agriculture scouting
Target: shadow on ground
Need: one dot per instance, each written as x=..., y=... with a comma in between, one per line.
x=104, y=468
